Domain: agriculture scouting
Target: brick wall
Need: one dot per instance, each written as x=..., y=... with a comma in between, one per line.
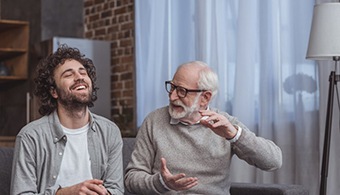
x=113, y=20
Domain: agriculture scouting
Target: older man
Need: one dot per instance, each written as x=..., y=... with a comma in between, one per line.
x=187, y=146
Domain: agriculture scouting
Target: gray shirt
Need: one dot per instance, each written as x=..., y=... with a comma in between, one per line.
x=194, y=150
x=39, y=149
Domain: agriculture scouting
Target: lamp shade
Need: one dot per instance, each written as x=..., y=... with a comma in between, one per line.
x=324, y=39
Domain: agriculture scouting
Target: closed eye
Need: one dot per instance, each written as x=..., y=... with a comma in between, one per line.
x=83, y=72
x=67, y=75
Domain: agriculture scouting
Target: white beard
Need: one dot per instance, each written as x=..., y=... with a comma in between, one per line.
x=187, y=111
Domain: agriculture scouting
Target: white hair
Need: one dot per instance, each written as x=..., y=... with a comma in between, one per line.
x=208, y=79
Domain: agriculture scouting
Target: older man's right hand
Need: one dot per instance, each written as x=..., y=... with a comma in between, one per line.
x=178, y=182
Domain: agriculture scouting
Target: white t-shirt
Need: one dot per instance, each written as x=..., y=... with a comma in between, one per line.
x=75, y=165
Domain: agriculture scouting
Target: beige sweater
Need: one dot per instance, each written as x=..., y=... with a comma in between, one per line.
x=194, y=150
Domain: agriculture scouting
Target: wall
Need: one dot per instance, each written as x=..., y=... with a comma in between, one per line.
x=114, y=20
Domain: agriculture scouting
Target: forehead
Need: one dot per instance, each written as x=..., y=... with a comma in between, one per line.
x=69, y=65
x=186, y=76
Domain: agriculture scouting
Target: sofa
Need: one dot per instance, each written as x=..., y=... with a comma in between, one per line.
x=6, y=157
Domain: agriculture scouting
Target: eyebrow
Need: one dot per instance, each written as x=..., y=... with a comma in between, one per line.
x=71, y=70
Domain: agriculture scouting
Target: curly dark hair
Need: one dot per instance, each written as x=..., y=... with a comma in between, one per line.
x=44, y=80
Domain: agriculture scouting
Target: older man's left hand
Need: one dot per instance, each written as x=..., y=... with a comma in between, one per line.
x=218, y=123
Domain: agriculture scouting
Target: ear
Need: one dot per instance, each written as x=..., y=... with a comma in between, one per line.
x=53, y=92
x=205, y=98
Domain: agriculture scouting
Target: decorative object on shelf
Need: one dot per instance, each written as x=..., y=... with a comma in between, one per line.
x=4, y=70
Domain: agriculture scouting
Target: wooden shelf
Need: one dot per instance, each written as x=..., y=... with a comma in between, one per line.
x=14, y=39
x=8, y=24
x=10, y=53
x=11, y=78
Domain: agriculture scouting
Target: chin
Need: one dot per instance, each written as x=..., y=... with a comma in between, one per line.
x=175, y=114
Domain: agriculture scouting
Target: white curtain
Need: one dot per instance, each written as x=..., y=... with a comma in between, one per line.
x=258, y=49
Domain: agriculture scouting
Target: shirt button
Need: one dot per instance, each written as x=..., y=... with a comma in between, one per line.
x=60, y=153
x=56, y=139
x=54, y=177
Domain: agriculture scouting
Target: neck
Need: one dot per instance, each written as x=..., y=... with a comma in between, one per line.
x=73, y=118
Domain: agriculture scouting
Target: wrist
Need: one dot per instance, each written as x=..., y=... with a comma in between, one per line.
x=237, y=134
x=59, y=191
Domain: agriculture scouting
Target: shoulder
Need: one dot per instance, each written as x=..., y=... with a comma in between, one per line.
x=35, y=127
x=104, y=125
x=155, y=122
x=158, y=117
x=36, y=134
x=162, y=112
x=102, y=120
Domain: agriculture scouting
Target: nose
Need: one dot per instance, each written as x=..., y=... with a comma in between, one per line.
x=78, y=76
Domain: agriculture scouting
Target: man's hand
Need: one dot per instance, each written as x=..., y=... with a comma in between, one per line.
x=218, y=124
x=177, y=182
x=88, y=187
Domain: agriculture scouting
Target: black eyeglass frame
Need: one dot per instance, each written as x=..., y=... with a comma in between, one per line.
x=173, y=86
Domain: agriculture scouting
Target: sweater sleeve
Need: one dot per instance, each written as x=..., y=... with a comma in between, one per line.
x=257, y=151
x=139, y=175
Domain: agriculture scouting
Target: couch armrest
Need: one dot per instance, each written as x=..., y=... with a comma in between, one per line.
x=267, y=189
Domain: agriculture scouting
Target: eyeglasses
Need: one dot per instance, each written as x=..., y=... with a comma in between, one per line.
x=181, y=91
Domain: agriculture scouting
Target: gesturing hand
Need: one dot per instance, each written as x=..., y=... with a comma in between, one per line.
x=218, y=123
x=88, y=187
x=177, y=182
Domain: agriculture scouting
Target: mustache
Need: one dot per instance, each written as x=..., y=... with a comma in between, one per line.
x=177, y=103
x=79, y=82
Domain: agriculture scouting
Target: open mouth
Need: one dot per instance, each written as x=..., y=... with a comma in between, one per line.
x=79, y=87
x=176, y=106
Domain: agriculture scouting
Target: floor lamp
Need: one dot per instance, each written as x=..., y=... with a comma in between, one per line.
x=324, y=44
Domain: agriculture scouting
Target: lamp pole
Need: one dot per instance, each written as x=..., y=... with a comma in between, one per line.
x=333, y=78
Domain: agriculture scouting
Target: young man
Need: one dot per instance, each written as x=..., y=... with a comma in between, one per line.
x=188, y=146
x=69, y=150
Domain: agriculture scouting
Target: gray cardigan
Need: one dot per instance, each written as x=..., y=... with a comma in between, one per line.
x=194, y=150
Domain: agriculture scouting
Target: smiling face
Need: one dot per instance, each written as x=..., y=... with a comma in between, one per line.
x=181, y=108
x=73, y=85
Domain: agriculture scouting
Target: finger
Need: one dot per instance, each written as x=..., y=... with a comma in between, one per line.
x=205, y=112
x=211, y=117
x=188, y=186
x=164, y=170
x=103, y=188
x=187, y=181
x=95, y=181
x=216, y=118
x=163, y=161
x=211, y=122
x=206, y=123
x=98, y=189
x=177, y=177
x=217, y=123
